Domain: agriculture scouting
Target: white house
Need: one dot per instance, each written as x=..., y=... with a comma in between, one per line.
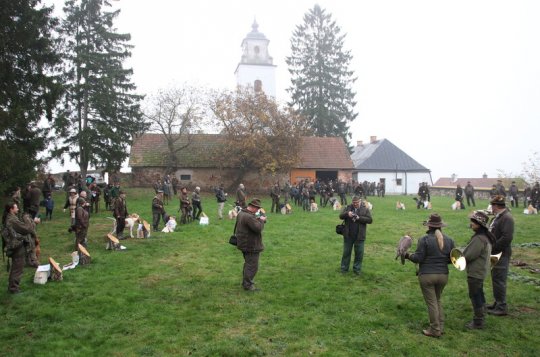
x=382, y=161
x=256, y=68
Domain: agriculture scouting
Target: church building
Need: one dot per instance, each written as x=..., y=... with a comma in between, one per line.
x=256, y=68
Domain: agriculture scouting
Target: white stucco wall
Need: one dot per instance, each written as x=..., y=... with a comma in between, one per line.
x=246, y=74
x=410, y=181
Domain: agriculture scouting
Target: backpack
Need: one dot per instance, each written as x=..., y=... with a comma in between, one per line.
x=11, y=240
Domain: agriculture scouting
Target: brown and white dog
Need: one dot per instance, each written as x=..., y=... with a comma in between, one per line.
x=400, y=205
x=530, y=210
x=131, y=221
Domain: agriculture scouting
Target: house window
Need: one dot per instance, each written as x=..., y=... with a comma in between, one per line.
x=185, y=177
x=398, y=182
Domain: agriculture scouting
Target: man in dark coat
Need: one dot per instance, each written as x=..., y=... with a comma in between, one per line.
x=502, y=227
x=356, y=217
x=249, y=226
x=158, y=211
x=82, y=220
x=469, y=193
x=275, y=194
x=241, y=196
x=34, y=200
x=513, y=193
x=535, y=195
x=21, y=232
x=459, y=196
x=120, y=213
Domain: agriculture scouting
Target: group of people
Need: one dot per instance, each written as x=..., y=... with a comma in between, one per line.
x=190, y=207
x=531, y=195
x=433, y=256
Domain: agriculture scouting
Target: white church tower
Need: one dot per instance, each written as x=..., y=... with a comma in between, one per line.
x=256, y=68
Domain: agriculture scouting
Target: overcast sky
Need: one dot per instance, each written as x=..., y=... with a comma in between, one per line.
x=454, y=84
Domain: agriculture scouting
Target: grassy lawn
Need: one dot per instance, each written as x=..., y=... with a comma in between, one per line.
x=179, y=293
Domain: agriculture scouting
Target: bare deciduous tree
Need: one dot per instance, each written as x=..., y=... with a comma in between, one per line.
x=177, y=113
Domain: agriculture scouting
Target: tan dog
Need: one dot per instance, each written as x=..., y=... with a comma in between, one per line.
x=131, y=221
x=400, y=205
x=368, y=205
x=313, y=207
x=531, y=210
x=456, y=205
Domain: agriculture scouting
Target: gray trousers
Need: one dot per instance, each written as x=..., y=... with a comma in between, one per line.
x=432, y=286
x=251, y=266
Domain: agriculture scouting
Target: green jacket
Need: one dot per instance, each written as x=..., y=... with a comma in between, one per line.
x=477, y=254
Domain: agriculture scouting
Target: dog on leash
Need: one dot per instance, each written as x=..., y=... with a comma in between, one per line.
x=131, y=221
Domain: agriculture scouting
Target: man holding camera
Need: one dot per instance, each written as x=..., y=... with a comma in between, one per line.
x=249, y=226
x=356, y=216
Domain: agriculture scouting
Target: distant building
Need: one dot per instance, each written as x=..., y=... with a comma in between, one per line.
x=446, y=186
x=256, y=68
x=382, y=161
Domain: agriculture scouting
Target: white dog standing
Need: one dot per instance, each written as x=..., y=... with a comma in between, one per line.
x=131, y=221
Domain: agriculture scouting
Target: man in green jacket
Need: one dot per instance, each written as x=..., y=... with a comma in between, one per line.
x=356, y=217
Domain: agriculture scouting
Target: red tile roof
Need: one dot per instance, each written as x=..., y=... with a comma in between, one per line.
x=149, y=150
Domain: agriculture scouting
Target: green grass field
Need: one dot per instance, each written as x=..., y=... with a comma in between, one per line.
x=179, y=294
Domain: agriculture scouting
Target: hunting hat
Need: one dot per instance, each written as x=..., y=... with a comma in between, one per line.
x=81, y=201
x=255, y=203
x=498, y=200
x=73, y=190
x=479, y=217
x=434, y=221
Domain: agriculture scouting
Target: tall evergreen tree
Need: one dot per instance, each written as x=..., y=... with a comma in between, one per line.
x=101, y=112
x=28, y=90
x=321, y=82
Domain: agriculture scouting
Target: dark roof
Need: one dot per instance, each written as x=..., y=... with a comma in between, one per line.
x=149, y=150
x=382, y=155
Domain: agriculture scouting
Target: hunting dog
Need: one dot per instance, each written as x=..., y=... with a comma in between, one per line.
x=400, y=205
x=131, y=221
x=531, y=210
